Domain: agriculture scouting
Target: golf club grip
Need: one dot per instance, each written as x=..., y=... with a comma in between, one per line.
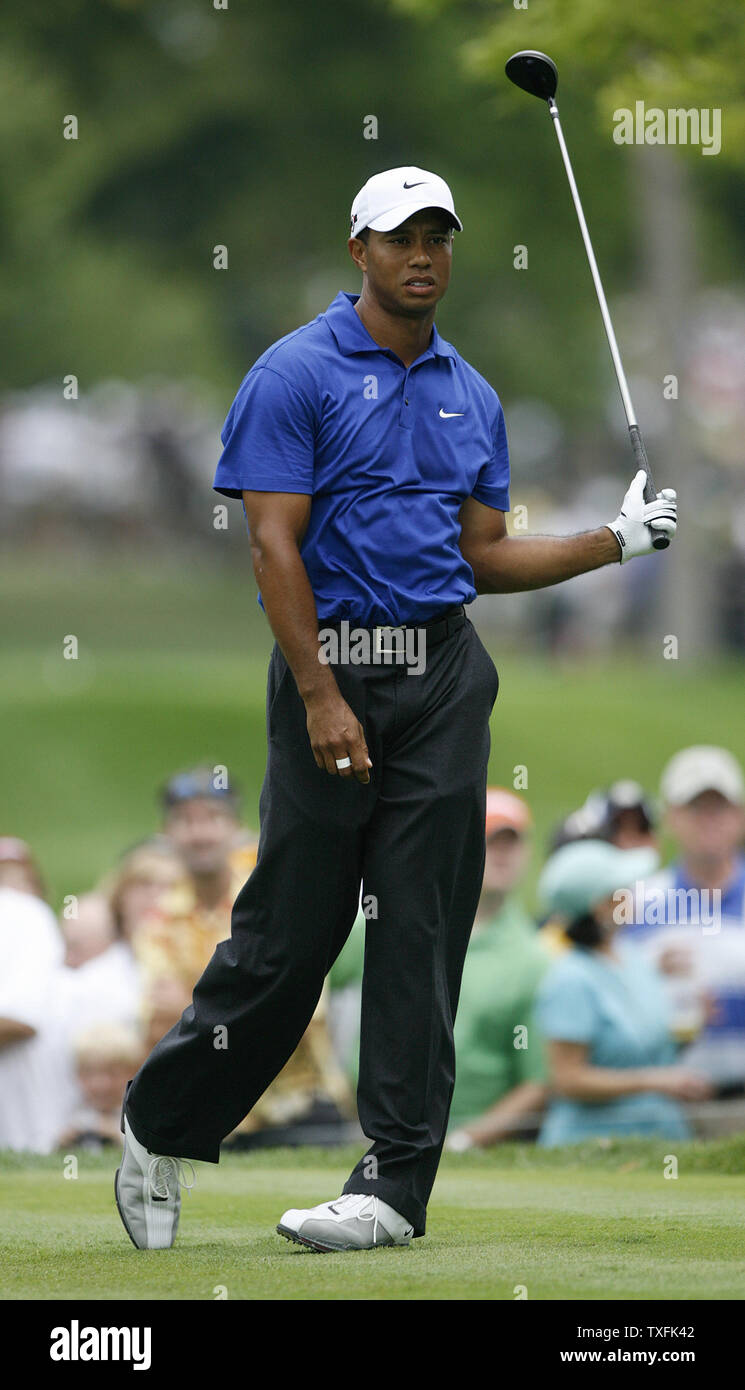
x=659, y=540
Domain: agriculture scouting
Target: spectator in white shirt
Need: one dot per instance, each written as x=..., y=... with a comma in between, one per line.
x=36, y=1086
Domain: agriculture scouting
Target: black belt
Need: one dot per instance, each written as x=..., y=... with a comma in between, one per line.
x=437, y=628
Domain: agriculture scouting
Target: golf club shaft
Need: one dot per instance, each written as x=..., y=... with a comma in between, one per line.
x=637, y=443
x=613, y=345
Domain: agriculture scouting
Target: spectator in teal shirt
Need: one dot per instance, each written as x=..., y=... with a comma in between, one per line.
x=602, y=1010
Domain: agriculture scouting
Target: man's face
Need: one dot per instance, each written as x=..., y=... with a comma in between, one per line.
x=631, y=830
x=141, y=894
x=104, y=1082
x=19, y=876
x=421, y=249
x=604, y=911
x=506, y=857
x=90, y=933
x=708, y=826
x=203, y=832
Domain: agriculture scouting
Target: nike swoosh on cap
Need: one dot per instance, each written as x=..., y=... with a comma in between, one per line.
x=420, y=184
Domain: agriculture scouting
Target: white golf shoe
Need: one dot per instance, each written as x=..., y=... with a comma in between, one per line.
x=148, y=1193
x=354, y=1221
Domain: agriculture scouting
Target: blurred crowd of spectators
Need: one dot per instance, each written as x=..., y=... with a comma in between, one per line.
x=621, y=1011
x=147, y=442
x=82, y=1001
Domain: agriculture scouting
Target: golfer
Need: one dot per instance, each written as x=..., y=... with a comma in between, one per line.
x=373, y=467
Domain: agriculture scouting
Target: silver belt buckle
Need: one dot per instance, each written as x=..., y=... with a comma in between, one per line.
x=380, y=650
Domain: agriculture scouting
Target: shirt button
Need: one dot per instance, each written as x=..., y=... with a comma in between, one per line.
x=406, y=401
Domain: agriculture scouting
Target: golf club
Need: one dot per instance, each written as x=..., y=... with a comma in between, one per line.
x=537, y=74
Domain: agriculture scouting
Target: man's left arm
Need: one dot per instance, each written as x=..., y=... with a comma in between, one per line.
x=505, y=564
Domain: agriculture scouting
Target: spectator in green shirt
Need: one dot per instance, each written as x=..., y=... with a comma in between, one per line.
x=345, y=984
x=500, y=1071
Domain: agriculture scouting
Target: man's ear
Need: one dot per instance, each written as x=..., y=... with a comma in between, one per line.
x=358, y=252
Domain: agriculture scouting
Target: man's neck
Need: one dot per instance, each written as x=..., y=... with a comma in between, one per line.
x=407, y=337
x=210, y=889
x=709, y=873
x=490, y=904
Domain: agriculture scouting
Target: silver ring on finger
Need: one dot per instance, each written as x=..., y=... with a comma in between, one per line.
x=343, y=762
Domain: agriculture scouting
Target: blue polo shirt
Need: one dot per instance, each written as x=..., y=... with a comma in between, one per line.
x=388, y=454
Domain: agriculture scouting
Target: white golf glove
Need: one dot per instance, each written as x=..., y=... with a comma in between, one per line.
x=632, y=525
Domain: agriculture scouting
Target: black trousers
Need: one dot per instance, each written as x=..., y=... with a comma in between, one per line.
x=414, y=838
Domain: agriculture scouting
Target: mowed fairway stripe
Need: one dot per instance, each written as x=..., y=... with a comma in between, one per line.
x=575, y=1234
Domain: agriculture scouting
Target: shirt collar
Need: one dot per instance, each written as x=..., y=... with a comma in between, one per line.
x=733, y=893
x=352, y=336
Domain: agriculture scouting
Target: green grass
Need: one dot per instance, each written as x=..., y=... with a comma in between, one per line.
x=172, y=669
x=587, y=1223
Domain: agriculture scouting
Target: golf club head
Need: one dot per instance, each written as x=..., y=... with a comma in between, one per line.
x=534, y=72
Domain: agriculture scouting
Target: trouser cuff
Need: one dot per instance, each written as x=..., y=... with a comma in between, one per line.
x=392, y=1193
x=186, y=1146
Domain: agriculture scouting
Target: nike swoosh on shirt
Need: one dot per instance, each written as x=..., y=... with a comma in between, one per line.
x=450, y=414
x=420, y=184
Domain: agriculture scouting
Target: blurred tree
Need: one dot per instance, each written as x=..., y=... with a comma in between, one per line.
x=245, y=127
x=689, y=57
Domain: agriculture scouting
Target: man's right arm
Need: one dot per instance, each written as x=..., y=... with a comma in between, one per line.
x=12, y=1031
x=277, y=522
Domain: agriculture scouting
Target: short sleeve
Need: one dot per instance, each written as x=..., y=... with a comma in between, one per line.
x=493, y=483
x=565, y=1008
x=268, y=438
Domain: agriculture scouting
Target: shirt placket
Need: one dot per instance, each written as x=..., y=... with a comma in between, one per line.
x=406, y=410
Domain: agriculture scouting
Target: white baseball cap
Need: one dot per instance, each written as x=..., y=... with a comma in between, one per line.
x=702, y=768
x=387, y=199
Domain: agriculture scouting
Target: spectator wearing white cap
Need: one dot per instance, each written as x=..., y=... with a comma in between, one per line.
x=693, y=920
